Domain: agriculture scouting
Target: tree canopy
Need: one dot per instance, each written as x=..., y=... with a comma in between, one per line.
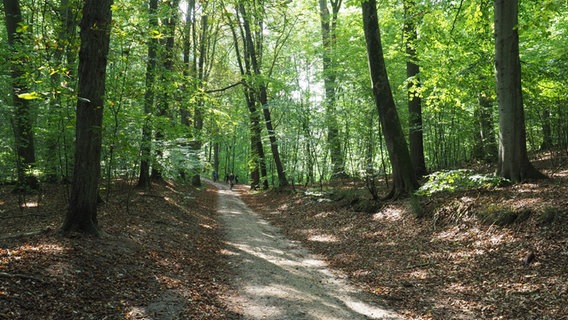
x=196, y=86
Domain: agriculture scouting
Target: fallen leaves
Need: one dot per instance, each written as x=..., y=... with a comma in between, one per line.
x=449, y=265
x=161, y=257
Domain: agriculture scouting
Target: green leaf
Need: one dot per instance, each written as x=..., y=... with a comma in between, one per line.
x=29, y=96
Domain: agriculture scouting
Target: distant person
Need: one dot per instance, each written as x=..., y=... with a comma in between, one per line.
x=231, y=180
x=215, y=176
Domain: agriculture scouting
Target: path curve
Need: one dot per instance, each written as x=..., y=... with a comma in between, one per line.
x=278, y=279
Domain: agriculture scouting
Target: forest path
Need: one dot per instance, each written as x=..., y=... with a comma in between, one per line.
x=278, y=279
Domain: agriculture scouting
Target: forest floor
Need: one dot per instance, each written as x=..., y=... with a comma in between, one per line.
x=159, y=258
x=451, y=263
x=164, y=254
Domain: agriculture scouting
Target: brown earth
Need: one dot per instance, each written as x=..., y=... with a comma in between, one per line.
x=450, y=264
x=159, y=258
x=164, y=257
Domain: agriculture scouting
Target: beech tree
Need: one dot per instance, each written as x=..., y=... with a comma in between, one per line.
x=415, y=134
x=404, y=179
x=149, y=96
x=95, y=37
x=329, y=40
x=22, y=120
x=189, y=75
x=513, y=161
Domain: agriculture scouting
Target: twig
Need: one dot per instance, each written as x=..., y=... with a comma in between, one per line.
x=223, y=89
x=25, y=234
x=419, y=265
x=153, y=195
x=19, y=275
x=22, y=216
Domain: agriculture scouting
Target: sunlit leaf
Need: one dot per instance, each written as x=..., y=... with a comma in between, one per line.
x=29, y=96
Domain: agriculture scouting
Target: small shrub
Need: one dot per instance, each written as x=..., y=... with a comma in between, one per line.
x=456, y=180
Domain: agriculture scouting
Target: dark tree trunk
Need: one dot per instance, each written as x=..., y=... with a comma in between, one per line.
x=167, y=57
x=201, y=80
x=283, y=182
x=546, y=130
x=146, y=143
x=259, y=172
x=485, y=147
x=95, y=35
x=404, y=179
x=513, y=161
x=56, y=142
x=23, y=122
x=328, y=32
x=415, y=135
x=253, y=50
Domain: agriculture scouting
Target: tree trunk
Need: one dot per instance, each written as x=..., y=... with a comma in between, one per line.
x=513, y=162
x=546, y=130
x=95, y=35
x=404, y=179
x=283, y=182
x=485, y=147
x=167, y=63
x=146, y=143
x=328, y=29
x=415, y=135
x=23, y=122
x=258, y=89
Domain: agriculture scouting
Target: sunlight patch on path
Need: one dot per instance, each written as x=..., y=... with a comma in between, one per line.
x=278, y=279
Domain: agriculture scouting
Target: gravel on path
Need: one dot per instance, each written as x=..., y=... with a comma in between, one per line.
x=277, y=279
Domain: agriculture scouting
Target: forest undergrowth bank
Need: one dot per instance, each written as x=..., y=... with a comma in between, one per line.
x=159, y=258
x=476, y=254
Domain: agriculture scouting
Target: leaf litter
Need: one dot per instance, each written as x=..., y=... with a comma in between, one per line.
x=163, y=256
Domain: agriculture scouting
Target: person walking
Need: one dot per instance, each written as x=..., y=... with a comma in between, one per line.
x=231, y=180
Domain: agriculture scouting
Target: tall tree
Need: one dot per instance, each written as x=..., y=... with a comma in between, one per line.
x=404, y=179
x=513, y=162
x=95, y=37
x=149, y=96
x=253, y=43
x=194, y=61
x=258, y=173
x=167, y=58
x=199, y=44
x=251, y=27
x=23, y=122
x=64, y=60
x=329, y=37
x=415, y=134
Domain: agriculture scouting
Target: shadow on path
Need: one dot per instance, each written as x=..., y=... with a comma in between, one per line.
x=278, y=279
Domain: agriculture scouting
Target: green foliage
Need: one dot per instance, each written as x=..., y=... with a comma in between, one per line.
x=458, y=180
x=455, y=54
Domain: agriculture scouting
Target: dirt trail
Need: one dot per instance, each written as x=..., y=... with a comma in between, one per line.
x=278, y=279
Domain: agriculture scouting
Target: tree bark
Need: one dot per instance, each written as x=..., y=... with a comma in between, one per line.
x=328, y=30
x=485, y=147
x=144, y=180
x=23, y=122
x=513, y=162
x=167, y=57
x=95, y=35
x=259, y=88
x=404, y=179
x=415, y=135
